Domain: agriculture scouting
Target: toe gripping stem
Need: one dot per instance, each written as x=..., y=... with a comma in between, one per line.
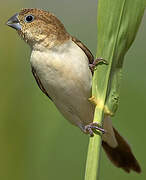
x=97, y=62
x=92, y=127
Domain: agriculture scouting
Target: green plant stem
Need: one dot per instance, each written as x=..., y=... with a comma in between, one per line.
x=118, y=22
x=93, y=157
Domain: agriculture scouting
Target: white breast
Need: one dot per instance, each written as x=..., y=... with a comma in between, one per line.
x=65, y=74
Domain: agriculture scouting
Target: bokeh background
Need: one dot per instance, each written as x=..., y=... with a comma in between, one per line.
x=36, y=142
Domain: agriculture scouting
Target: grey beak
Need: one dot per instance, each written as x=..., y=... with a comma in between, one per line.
x=14, y=22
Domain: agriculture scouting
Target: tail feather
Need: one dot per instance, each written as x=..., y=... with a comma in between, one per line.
x=121, y=156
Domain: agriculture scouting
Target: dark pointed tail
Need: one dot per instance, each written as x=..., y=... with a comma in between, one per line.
x=122, y=156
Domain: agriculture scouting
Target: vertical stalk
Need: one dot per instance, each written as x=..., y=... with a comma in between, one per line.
x=118, y=22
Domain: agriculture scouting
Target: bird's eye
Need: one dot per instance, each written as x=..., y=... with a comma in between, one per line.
x=29, y=18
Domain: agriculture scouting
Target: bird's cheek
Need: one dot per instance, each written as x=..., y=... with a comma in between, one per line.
x=27, y=35
x=40, y=37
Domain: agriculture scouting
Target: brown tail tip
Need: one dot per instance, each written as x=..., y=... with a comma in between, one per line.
x=122, y=156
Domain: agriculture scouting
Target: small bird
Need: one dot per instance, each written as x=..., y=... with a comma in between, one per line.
x=63, y=67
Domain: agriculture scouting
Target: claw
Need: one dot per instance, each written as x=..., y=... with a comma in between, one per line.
x=100, y=60
x=96, y=62
x=90, y=128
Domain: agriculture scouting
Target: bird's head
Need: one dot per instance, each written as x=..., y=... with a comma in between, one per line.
x=38, y=27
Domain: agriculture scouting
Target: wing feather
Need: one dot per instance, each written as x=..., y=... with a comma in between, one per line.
x=39, y=83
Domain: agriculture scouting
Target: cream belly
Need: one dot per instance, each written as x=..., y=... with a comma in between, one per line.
x=65, y=74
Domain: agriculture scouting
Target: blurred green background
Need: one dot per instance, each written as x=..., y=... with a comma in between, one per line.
x=36, y=142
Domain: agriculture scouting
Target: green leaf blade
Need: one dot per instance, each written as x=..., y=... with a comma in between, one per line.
x=118, y=22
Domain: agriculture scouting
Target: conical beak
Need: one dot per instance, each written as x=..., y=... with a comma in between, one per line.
x=14, y=22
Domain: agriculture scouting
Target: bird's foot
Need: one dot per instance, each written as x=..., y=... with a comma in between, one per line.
x=92, y=127
x=97, y=62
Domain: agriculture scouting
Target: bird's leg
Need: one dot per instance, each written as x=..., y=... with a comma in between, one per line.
x=92, y=127
x=97, y=62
